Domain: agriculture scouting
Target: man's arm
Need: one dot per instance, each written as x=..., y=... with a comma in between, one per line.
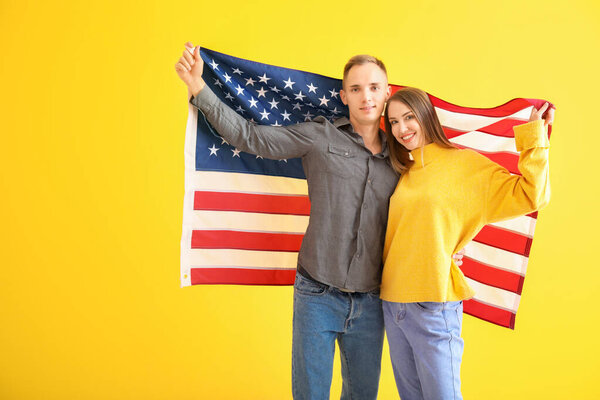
x=267, y=141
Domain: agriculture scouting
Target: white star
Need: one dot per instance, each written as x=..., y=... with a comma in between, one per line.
x=240, y=109
x=264, y=115
x=223, y=141
x=289, y=83
x=283, y=159
x=264, y=78
x=240, y=90
x=276, y=123
x=311, y=105
x=274, y=89
x=257, y=157
x=229, y=96
x=307, y=116
x=335, y=110
x=284, y=97
x=334, y=93
x=252, y=121
x=237, y=71
x=252, y=102
x=273, y=104
x=286, y=115
x=312, y=88
x=236, y=153
x=299, y=96
x=324, y=101
x=218, y=83
x=297, y=105
x=214, y=65
x=261, y=92
x=213, y=150
x=227, y=78
x=250, y=81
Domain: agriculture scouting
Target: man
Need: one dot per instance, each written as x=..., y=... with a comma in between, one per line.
x=350, y=181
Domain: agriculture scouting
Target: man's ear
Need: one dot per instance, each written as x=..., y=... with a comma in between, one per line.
x=343, y=97
x=388, y=93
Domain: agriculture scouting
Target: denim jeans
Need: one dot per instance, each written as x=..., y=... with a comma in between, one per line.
x=322, y=315
x=426, y=348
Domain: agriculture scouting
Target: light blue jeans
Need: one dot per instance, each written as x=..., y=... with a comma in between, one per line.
x=426, y=348
x=322, y=315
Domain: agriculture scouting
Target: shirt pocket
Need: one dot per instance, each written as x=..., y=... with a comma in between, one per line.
x=340, y=160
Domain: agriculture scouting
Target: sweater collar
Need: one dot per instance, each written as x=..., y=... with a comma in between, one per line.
x=426, y=154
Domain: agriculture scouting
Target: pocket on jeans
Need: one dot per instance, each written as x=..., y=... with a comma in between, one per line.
x=430, y=306
x=308, y=286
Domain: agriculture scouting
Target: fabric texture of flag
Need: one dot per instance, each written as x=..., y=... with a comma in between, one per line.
x=244, y=216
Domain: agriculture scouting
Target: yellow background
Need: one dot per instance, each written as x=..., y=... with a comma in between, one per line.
x=91, y=183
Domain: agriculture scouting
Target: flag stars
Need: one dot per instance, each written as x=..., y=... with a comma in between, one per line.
x=264, y=78
x=276, y=123
x=323, y=101
x=228, y=96
x=286, y=115
x=333, y=93
x=273, y=104
x=240, y=110
x=274, y=89
x=299, y=96
x=238, y=71
x=297, y=106
x=218, y=83
x=312, y=88
x=250, y=81
x=265, y=115
x=223, y=141
x=253, y=102
x=214, y=65
x=240, y=90
x=213, y=150
x=335, y=111
x=236, y=153
x=289, y=83
x=261, y=92
x=227, y=78
x=308, y=116
x=284, y=97
x=257, y=157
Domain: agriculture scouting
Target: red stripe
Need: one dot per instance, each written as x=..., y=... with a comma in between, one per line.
x=243, y=240
x=491, y=276
x=503, y=128
x=240, y=276
x=503, y=110
x=251, y=202
x=505, y=240
x=488, y=313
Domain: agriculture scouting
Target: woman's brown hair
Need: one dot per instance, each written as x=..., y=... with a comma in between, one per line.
x=419, y=103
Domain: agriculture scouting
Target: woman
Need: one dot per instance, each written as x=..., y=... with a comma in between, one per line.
x=444, y=197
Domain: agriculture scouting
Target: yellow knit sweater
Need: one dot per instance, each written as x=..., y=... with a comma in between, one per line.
x=443, y=201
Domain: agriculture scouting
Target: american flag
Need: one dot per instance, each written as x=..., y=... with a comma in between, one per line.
x=244, y=216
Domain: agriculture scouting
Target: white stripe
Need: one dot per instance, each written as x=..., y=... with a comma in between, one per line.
x=486, y=142
x=523, y=225
x=248, y=221
x=497, y=258
x=251, y=183
x=495, y=297
x=470, y=122
x=242, y=258
x=188, y=198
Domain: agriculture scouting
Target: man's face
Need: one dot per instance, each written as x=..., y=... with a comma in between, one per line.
x=365, y=93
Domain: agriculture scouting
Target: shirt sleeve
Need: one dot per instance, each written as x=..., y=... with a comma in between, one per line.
x=510, y=195
x=267, y=141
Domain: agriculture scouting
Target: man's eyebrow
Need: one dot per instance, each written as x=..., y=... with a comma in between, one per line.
x=370, y=84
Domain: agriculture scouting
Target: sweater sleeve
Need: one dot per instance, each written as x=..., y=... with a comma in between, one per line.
x=266, y=141
x=510, y=195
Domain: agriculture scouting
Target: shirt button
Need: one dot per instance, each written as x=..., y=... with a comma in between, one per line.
x=370, y=180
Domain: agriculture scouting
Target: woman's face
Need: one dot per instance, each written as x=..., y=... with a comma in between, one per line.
x=405, y=127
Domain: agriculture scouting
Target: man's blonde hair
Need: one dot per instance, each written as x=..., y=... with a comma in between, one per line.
x=362, y=59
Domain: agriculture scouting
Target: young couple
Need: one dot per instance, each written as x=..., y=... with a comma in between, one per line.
x=443, y=198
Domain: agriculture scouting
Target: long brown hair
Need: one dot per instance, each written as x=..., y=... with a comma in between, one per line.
x=419, y=103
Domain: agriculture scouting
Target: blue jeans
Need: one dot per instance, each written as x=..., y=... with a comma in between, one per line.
x=426, y=348
x=322, y=315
